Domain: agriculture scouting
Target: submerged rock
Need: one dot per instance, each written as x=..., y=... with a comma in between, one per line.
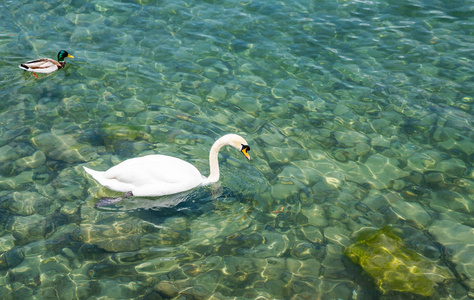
x=34, y=161
x=63, y=147
x=26, y=229
x=384, y=256
x=458, y=240
x=11, y=258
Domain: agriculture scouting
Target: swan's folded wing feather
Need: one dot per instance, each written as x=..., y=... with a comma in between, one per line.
x=155, y=175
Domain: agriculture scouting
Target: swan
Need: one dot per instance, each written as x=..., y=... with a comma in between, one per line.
x=159, y=175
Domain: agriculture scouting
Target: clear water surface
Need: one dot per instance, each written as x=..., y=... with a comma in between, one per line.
x=359, y=115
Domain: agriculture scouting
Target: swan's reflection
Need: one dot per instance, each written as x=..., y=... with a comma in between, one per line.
x=200, y=194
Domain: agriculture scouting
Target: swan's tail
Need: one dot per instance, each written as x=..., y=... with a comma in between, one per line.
x=97, y=175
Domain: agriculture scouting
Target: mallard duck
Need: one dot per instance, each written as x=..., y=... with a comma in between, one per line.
x=159, y=175
x=46, y=65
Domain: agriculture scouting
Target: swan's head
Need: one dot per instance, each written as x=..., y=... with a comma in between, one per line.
x=238, y=143
x=245, y=150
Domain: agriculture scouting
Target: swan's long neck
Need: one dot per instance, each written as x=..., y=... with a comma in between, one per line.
x=213, y=159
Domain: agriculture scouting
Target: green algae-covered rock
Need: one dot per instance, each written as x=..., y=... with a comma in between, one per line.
x=384, y=256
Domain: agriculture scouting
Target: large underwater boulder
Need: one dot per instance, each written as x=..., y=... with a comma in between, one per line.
x=384, y=257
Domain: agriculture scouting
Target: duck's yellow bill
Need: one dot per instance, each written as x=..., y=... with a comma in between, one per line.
x=69, y=55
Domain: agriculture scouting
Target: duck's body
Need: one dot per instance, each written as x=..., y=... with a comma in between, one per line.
x=46, y=65
x=159, y=175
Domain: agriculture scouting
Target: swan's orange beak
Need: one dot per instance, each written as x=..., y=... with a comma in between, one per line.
x=245, y=150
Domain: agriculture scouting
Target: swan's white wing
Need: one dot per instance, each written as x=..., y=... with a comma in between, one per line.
x=152, y=175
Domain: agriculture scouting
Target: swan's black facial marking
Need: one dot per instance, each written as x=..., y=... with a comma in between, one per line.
x=245, y=150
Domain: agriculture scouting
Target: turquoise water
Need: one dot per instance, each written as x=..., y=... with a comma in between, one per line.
x=359, y=115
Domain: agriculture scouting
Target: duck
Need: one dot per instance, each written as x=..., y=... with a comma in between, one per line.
x=159, y=175
x=46, y=65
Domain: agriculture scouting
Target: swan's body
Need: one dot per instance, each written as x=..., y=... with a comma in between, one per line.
x=151, y=175
x=159, y=175
x=46, y=65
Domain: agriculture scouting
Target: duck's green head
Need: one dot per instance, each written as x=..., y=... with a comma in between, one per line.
x=63, y=54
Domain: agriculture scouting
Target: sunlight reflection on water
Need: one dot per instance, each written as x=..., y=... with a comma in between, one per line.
x=359, y=116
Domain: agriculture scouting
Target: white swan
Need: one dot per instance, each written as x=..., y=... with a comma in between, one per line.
x=159, y=175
